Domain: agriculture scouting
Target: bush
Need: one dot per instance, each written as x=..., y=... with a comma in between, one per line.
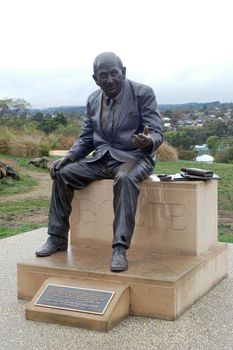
x=225, y=155
x=67, y=141
x=25, y=146
x=44, y=148
x=187, y=154
x=5, y=139
x=166, y=153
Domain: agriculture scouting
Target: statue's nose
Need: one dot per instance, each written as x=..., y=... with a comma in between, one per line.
x=109, y=79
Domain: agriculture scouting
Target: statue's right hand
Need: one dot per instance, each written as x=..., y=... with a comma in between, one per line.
x=57, y=164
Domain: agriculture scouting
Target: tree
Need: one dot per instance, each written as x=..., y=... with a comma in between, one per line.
x=38, y=117
x=12, y=107
x=61, y=119
x=213, y=143
x=49, y=124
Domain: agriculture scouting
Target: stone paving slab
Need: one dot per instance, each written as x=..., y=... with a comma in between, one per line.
x=206, y=325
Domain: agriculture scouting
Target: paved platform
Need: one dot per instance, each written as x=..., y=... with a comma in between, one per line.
x=206, y=325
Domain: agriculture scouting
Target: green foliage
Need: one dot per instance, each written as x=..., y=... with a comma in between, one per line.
x=187, y=154
x=225, y=155
x=187, y=137
x=38, y=117
x=61, y=119
x=179, y=139
x=213, y=143
x=49, y=125
x=44, y=148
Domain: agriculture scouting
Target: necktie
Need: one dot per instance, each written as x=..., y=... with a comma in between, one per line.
x=109, y=121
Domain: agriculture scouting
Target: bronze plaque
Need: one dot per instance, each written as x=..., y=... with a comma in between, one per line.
x=75, y=299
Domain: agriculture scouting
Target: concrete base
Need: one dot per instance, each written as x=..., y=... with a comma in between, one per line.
x=161, y=285
x=116, y=311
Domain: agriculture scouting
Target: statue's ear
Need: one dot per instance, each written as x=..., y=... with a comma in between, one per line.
x=95, y=78
x=124, y=72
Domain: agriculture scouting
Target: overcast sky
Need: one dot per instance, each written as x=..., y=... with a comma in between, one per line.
x=182, y=48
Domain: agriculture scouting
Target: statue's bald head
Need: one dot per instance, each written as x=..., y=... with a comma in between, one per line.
x=109, y=73
x=106, y=57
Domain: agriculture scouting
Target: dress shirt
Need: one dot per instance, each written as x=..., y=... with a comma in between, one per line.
x=105, y=108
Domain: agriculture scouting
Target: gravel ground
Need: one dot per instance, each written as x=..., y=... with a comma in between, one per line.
x=206, y=325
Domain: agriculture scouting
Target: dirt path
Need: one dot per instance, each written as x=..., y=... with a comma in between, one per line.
x=42, y=190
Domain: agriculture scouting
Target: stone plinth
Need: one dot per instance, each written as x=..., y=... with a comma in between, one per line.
x=174, y=259
x=160, y=285
x=172, y=217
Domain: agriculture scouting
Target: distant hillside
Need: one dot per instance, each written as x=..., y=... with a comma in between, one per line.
x=162, y=107
x=64, y=109
x=192, y=105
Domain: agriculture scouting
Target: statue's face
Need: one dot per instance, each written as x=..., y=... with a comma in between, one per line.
x=110, y=76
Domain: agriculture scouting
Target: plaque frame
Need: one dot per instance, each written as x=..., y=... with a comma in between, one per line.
x=109, y=299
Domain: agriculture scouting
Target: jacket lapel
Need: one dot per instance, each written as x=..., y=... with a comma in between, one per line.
x=125, y=104
x=98, y=105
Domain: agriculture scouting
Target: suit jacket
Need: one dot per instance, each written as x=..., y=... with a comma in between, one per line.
x=138, y=109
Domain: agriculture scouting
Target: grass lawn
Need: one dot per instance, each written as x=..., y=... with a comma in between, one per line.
x=21, y=217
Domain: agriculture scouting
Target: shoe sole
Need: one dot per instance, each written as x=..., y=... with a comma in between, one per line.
x=118, y=269
x=61, y=249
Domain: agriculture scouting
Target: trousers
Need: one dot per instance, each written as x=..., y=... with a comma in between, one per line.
x=79, y=174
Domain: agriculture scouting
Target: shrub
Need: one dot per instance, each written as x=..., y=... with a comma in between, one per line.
x=224, y=156
x=166, y=153
x=44, y=148
x=5, y=139
x=25, y=146
x=187, y=154
x=54, y=141
x=67, y=141
x=28, y=146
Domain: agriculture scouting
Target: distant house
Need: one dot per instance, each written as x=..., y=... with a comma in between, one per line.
x=167, y=125
x=201, y=149
x=205, y=158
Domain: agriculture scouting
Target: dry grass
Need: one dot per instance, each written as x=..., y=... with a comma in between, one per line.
x=22, y=144
x=166, y=153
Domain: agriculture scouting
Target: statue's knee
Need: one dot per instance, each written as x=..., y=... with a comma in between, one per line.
x=122, y=178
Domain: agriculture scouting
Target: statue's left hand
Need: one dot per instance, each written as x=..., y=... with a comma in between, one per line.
x=143, y=140
x=57, y=164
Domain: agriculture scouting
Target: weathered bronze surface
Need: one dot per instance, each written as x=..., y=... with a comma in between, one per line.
x=75, y=299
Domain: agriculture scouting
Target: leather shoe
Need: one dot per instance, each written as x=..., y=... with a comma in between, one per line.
x=52, y=246
x=119, y=260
